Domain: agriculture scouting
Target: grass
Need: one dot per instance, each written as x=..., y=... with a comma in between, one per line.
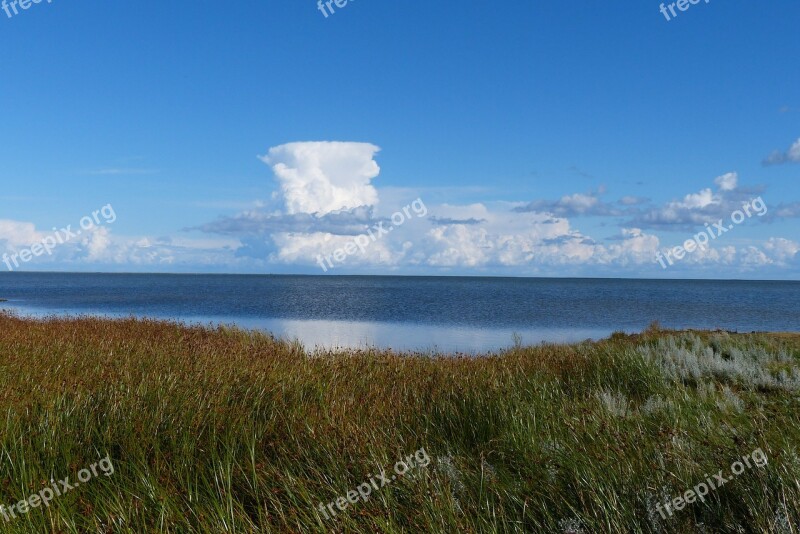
x=223, y=430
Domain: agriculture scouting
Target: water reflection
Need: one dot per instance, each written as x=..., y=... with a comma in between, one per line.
x=399, y=336
x=325, y=334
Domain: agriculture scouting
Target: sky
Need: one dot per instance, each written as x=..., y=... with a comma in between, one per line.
x=401, y=138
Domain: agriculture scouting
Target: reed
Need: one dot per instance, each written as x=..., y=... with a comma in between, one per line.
x=215, y=429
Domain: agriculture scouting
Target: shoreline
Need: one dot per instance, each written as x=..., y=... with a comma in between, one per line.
x=214, y=323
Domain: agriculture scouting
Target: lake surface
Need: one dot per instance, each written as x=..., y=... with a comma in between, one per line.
x=414, y=313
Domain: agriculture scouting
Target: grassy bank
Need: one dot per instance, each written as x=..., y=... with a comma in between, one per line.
x=219, y=430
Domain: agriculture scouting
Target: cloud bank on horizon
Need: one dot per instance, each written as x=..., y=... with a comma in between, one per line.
x=327, y=193
x=490, y=237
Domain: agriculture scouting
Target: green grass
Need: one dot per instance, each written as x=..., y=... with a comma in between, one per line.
x=222, y=430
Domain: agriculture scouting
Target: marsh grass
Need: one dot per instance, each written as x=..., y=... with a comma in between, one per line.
x=222, y=430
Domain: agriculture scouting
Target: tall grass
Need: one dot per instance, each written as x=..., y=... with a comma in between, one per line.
x=222, y=430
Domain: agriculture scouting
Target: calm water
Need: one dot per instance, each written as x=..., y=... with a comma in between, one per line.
x=448, y=314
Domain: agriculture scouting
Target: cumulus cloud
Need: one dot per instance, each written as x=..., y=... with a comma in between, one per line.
x=18, y=234
x=792, y=155
x=98, y=246
x=531, y=240
x=326, y=197
x=97, y=243
x=775, y=252
x=781, y=250
x=727, y=182
x=321, y=177
x=505, y=238
x=694, y=209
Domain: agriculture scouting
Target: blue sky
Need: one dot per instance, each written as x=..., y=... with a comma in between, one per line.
x=543, y=138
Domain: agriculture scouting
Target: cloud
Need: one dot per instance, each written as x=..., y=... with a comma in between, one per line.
x=18, y=234
x=293, y=249
x=326, y=197
x=97, y=243
x=506, y=238
x=322, y=177
x=783, y=251
x=255, y=222
x=98, y=246
x=577, y=204
x=694, y=209
x=448, y=214
x=774, y=253
x=785, y=211
x=532, y=241
x=727, y=182
x=445, y=221
x=792, y=155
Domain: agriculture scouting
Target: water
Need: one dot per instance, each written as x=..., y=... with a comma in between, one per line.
x=414, y=313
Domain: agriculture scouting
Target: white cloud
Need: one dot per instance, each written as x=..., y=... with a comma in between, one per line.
x=18, y=234
x=782, y=250
x=695, y=209
x=306, y=248
x=98, y=246
x=97, y=243
x=751, y=256
x=321, y=177
x=327, y=196
x=696, y=200
x=727, y=182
